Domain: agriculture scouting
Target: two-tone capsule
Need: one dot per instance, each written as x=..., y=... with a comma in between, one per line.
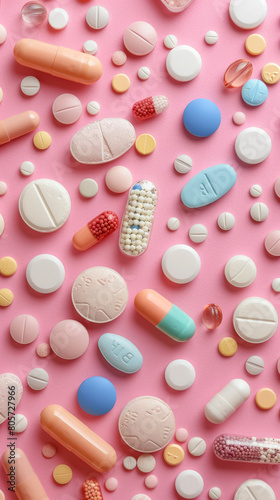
x=150, y=107
x=96, y=230
x=236, y=448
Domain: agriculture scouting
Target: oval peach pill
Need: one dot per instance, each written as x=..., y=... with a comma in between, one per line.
x=6, y=297
x=8, y=266
x=42, y=140
x=18, y=125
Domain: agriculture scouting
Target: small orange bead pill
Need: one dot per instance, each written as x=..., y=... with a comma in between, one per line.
x=173, y=454
x=120, y=83
x=266, y=398
x=6, y=297
x=8, y=266
x=42, y=140
x=62, y=474
x=227, y=347
x=145, y=144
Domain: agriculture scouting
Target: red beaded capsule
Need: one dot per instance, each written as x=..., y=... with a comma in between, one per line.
x=92, y=490
x=96, y=230
x=150, y=107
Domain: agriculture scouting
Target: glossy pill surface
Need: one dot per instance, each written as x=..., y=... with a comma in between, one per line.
x=238, y=73
x=212, y=316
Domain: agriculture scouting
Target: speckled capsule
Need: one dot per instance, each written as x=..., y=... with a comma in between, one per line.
x=150, y=107
x=247, y=449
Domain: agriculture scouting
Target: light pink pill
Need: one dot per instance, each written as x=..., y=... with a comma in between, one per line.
x=181, y=435
x=277, y=187
x=49, y=450
x=3, y=188
x=239, y=118
x=140, y=38
x=118, y=179
x=67, y=108
x=69, y=339
x=43, y=350
x=272, y=243
x=24, y=329
x=111, y=484
x=119, y=58
x=151, y=481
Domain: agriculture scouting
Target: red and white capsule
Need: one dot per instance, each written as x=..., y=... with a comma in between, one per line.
x=150, y=107
x=96, y=230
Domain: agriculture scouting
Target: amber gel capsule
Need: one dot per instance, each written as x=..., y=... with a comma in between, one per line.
x=18, y=125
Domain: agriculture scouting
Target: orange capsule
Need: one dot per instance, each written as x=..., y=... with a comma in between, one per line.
x=96, y=230
x=18, y=125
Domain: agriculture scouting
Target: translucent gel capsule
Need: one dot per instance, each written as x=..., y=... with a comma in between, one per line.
x=176, y=5
x=92, y=490
x=138, y=218
x=33, y=13
x=247, y=449
x=212, y=316
x=96, y=230
x=150, y=107
x=238, y=73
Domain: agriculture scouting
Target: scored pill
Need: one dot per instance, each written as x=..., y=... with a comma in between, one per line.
x=197, y=446
x=183, y=164
x=254, y=365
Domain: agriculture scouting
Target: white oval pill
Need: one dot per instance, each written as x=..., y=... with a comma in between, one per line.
x=97, y=17
x=183, y=164
x=276, y=285
x=129, y=463
x=197, y=446
x=173, y=223
x=181, y=264
x=254, y=365
x=183, y=63
x=58, y=18
x=180, y=374
x=211, y=37
x=189, y=484
x=240, y=271
x=38, y=379
x=198, y=233
x=215, y=493
x=255, y=320
x=90, y=47
x=30, y=85
x=226, y=221
x=20, y=423
x=146, y=463
x=2, y=224
x=255, y=190
x=259, y=212
x=27, y=168
x=45, y=273
x=170, y=41
x=93, y=108
x=247, y=14
x=256, y=487
x=253, y=145
x=88, y=188
x=144, y=73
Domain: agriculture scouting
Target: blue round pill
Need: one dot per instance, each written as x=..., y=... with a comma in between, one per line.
x=202, y=117
x=254, y=92
x=97, y=395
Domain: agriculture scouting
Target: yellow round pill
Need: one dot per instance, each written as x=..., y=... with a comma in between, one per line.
x=42, y=140
x=271, y=73
x=145, y=144
x=173, y=454
x=266, y=398
x=255, y=44
x=62, y=474
x=8, y=266
x=227, y=347
x=6, y=297
x=120, y=83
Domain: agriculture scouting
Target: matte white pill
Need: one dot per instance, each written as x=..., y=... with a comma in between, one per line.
x=215, y=493
x=45, y=273
x=88, y=188
x=38, y=379
x=2, y=224
x=198, y=233
x=144, y=73
x=129, y=463
x=183, y=164
x=259, y=212
x=30, y=85
x=141, y=496
x=58, y=18
x=181, y=264
x=253, y=145
x=97, y=17
x=183, y=63
x=255, y=190
x=90, y=47
x=20, y=423
x=93, y=108
x=197, y=446
x=254, y=489
x=247, y=14
x=173, y=223
x=189, y=484
x=211, y=37
x=179, y=374
x=227, y=401
x=181, y=435
x=3, y=188
x=170, y=41
x=1, y=94
x=226, y=221
x=27, y=168
x=3, y=34
x=146, y=463
x=255, y=320
x=254, y=365
x=240, y=271
x=276, y=285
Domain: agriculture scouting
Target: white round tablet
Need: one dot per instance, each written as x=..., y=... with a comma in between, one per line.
x=1, y=94
x=179, y=374
x=146, y=463
x=183, y=164
x=253, y=145
x=2, y=224
x=240, y=271
x=196, y=446
x=211, y=37
x=215, y=493
x=247, y=14
x=44, y=205
x=144, y=73
x=255, y=190
x=198, y=233
x=255, y=320
x=257, y=487
x=183, y=63
x=181, y=264
x=45, y=273
x=97, y=17
x=38, y=379
x=58, y=18
x=27, y=168
x=129, y=463
x=3, y=34
x=141, y=496
x=259, y=212
x=173, y=223
x=254, y=365
x=90, y=47
x=189, y=484
x=276, y=285
x=20, y=423
x=30, y=85
x=170, y=41
x=93, y=108
x=226, y=221
x=88, y=188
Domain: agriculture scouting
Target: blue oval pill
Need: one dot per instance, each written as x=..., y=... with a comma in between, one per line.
x=120, y=352
x=254, y=92
x=97, y=395
x=202, y=117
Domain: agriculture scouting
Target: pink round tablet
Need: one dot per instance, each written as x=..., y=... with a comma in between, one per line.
x=111, y=484
x=43, y=350
x=277, y=187
x=69, y=339
x=49, y=450
x=140, y=38
x=67, y=108
x=272, y=243
x=3, y=188
x=151, y=481
x=239, y=118
x=24, y=329
x=118, y=179
x=119, y=58
x=181, y=435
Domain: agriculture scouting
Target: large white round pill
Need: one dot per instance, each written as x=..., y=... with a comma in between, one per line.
x=179, y=374
x=183, y=63
x=30, y=85
x=254, y=488
x=226, y=221
x=259, y=212
x=247, y=14
x=38, y=379
x=189, y=484
x=58, y=18
x=255, y=320
x=97, y=17
x=181, y=264
x=20, y=423
x=253, y=145
x=45, y=273
x=240, y=271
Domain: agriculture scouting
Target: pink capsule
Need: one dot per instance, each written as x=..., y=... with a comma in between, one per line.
x=247, y=449
x=238, y=73
x=150, y=107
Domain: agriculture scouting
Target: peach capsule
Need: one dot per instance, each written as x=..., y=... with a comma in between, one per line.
x=164, y=315
x=96, y=230
x=58, y=61
x=18, y=125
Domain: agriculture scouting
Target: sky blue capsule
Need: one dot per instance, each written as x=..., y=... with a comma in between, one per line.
x=254, y=92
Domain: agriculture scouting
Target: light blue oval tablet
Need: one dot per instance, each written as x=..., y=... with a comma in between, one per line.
x=120, y=352
x=97, y=395
x=254, y=92
x=208, y=186
x=202, y=117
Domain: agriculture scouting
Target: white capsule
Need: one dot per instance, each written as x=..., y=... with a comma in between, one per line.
x=226, y=402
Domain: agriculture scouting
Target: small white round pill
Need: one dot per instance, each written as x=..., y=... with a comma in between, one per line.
x=146, y=463
x=259, y=212
x=255, y=190
x=2, y=224
x=3, y=188
x=20, y=423
x=240, y=271
x=93, y=108
x=226, y=221
x=141, y=496
x=90, y=47
x=129, y=463
x=276, y=285
x=173, y=223
x=254, y=365
x=180, y=374
x=27, y=168
x=215, y=493
x=196, y=446
x=38, y=379
x=198, y=233
x=88, y=188
x=144, y=73
x=97, y=17
x=170, y=41
x=183, y=164
x=58, y=18
x=1, y=94
x=30, y=85
x=211, y=37
x=3, y=34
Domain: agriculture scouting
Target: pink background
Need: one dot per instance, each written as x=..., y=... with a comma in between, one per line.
x=212, y=370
